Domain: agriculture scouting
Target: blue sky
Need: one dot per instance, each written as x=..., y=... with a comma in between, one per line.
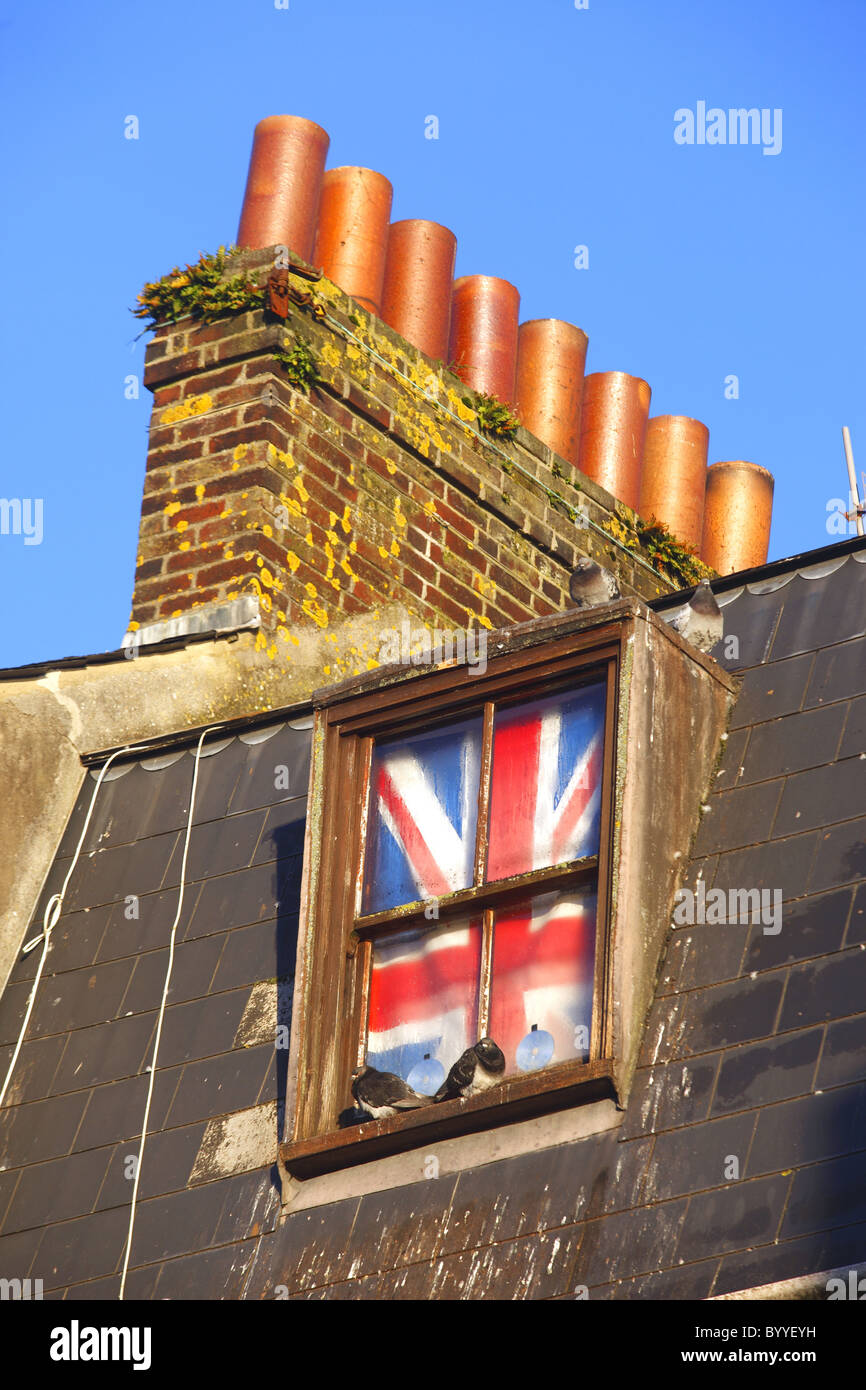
x=556, y=129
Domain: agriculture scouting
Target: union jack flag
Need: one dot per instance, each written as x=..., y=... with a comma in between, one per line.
x=544, y=809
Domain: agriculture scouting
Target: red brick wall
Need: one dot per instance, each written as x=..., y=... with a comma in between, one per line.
x=356, y=497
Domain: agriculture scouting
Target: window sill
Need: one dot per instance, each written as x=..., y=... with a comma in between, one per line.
x=519, y=1098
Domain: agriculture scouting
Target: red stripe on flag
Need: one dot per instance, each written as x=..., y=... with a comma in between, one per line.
x=513, y=793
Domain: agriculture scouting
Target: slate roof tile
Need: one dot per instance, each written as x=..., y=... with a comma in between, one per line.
x=844, y=1056
x=807, y=1130
x=765, y=1072
x=743, y=816
x=837, y=674
x=791, y=1259
x=811, y=926
x=822, y=796
x=220, y=1085
x=104, y=1053
x=832, y=987
x=826, y=1195
x=664, y=1097
x=783, y=864
x=741, y=1214
x=731, y=1013
x=771, y=690
x=840, y=856
x=695, y=1157
x=796, y=742
x=169, y=1155
x=58, y=1190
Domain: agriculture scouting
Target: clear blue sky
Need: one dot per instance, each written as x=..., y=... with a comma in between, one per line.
x=556, y=129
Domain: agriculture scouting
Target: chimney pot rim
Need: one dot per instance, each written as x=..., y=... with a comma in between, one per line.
x=625, y=376
x=286, y=116
x=493, y=279
x=421, y=222
x=744, y=465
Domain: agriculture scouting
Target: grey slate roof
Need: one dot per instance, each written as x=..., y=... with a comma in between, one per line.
x=755, y=1047
x=77, y=1099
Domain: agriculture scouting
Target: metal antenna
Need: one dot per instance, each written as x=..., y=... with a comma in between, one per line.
x=859, y=508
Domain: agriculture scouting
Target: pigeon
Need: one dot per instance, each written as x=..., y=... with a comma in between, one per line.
x=700, y=621
x=480, y=1067
x=590, y=585
x=382, y=1094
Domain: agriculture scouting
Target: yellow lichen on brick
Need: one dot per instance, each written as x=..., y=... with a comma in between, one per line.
x=486, y=587
x=184, y=545
x=199, y=491
x=310, y=589
x=301, y=490
x=485, y=622
x=344, y=519
x=292, y=560
x=331, y=356
x=185, y=410
x=267, y=530
x=171, y=507
x=285, y=459
x=395, y=549
x=391, y=467
x=455, y=404
x=308, y=538
x=383, y=552
x=181, y=526
x=430, y=507
x=332, y=537
x=315, y=610
x=399, y=516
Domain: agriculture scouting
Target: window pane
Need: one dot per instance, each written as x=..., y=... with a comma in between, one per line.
x=424, y=1002
x=541, y=994
x=545, y=794
x=423, y=816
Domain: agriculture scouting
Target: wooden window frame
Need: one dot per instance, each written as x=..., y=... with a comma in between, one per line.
x=332, y=991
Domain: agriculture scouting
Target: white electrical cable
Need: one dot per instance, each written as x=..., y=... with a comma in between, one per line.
x=53, y=909
x=174, y=926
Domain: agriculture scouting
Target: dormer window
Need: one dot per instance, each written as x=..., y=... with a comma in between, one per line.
x=465, y=875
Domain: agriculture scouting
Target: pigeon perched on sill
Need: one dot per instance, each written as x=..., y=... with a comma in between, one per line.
x=480, y=1067
x=700, y=621
x=590, y=585
x=382, y=1094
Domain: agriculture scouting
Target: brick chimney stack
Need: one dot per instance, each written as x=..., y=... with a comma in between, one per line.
x=370, y=497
